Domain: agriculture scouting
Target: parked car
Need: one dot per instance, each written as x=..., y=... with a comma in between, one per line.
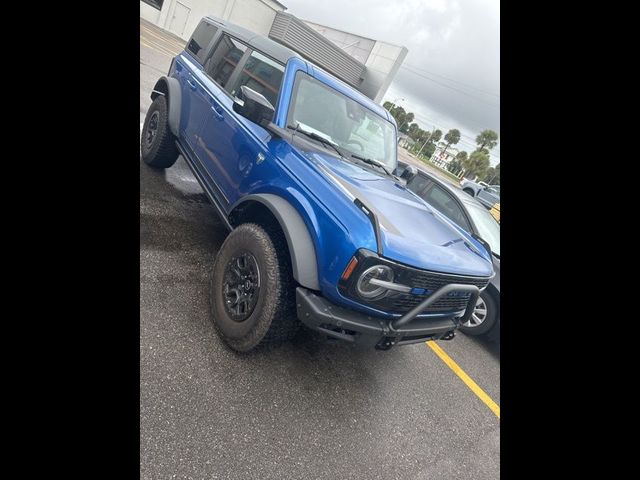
x=488, y=195
x=299, y=167
x=471, y=215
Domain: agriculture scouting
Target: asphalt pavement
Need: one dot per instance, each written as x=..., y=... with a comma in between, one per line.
x=311, y=409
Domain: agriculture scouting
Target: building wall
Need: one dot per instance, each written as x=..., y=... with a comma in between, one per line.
x=382, y=60
x=382, y=66
x=149, y=13
x=255, y=15
x=355, y=45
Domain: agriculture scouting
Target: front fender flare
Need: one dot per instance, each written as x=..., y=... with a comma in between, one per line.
x=170, y=88
x=301, y=246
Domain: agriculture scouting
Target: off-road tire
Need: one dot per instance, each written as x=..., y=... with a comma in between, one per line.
x=162, y=152
x=273, y=319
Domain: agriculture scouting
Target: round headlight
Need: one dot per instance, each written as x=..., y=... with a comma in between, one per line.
x=368, y=290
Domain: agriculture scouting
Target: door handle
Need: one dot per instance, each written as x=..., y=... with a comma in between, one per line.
x=218, y=112
x=192, y=85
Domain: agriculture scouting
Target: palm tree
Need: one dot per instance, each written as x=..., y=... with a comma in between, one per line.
x=452, y=137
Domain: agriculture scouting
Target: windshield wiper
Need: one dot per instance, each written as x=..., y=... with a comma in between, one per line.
x=372, y=162
x=317, y=137
x=324, y=141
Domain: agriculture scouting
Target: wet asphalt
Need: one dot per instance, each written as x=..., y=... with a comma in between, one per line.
x=311, y=409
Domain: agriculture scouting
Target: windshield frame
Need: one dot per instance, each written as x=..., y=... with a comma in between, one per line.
x=393, y=149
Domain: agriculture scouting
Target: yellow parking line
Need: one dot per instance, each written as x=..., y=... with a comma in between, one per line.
x=495, y=408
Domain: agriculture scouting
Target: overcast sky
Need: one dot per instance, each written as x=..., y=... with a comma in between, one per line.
x=455, y=44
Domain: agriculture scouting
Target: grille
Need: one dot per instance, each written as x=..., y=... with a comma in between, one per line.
x=446, y=304
x=433, y=281
x=395, y=302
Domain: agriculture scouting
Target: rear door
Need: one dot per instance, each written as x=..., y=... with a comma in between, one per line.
x=189, y=72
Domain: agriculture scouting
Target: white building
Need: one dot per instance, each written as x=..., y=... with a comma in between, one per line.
x=181, y=17
x=442, y=158
x=367, y=64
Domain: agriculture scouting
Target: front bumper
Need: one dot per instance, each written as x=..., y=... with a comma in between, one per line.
x=323, y=316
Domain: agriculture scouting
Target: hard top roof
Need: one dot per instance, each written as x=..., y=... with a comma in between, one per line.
x=260, y=42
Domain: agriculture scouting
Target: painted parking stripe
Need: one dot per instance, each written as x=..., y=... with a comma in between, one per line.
x=157, y=48
x=166, y=43
x=495, y=408
x=163, y=36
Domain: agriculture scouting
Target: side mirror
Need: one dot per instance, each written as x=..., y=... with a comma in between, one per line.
x=254, y=106
x=409, y=173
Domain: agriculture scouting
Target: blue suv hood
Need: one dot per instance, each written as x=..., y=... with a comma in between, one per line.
x=412, y=232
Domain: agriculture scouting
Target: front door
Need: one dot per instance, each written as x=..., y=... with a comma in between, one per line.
x=179, y=19
x=231, y=143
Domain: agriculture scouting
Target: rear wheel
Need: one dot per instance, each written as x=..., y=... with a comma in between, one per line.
x=484, y=316
x=157, y=143
x=252, y=291
x=468, y=191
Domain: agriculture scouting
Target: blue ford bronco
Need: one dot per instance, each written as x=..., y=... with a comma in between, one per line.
x=300, y=167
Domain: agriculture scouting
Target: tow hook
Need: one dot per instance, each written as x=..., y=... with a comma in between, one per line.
x=449, y=335
x=385, y=344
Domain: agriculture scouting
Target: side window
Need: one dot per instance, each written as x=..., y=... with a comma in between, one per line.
x=224, y=59
x=200, y=40
x=419, y=184
x=262, y=75
x=445, y=204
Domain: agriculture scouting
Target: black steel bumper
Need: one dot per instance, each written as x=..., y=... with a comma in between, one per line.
x=319, y=314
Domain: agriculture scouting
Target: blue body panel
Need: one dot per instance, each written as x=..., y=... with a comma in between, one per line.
x=226, y=146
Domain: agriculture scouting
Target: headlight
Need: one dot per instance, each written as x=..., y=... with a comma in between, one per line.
x=367, y=289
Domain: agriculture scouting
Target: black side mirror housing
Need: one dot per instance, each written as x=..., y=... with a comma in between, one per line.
x=409, y=173
x=254, y=106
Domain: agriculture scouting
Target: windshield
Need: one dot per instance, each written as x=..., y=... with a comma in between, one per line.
x=337, y=118
x=488, y=228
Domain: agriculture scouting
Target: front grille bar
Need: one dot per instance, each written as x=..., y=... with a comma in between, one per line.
x=452, y=287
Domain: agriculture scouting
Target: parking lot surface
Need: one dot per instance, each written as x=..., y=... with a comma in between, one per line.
x=311, y=409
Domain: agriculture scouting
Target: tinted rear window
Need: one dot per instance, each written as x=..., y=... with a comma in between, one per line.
x=201, y=39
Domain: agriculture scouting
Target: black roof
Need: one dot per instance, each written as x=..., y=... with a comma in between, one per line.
x=270, y=47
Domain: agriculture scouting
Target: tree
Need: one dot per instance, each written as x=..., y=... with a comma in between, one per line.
x=492, y=176
x=428, y=150
x=486, y=140
x=476, y=164
x=452, y=137
x=455, y=165
x=404, y=126
x=437, y=135
x=413, y=130
x=462, y=156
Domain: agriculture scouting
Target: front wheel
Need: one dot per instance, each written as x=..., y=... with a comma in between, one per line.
x=468, y=191
x=252, y=291
x=484, y=316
